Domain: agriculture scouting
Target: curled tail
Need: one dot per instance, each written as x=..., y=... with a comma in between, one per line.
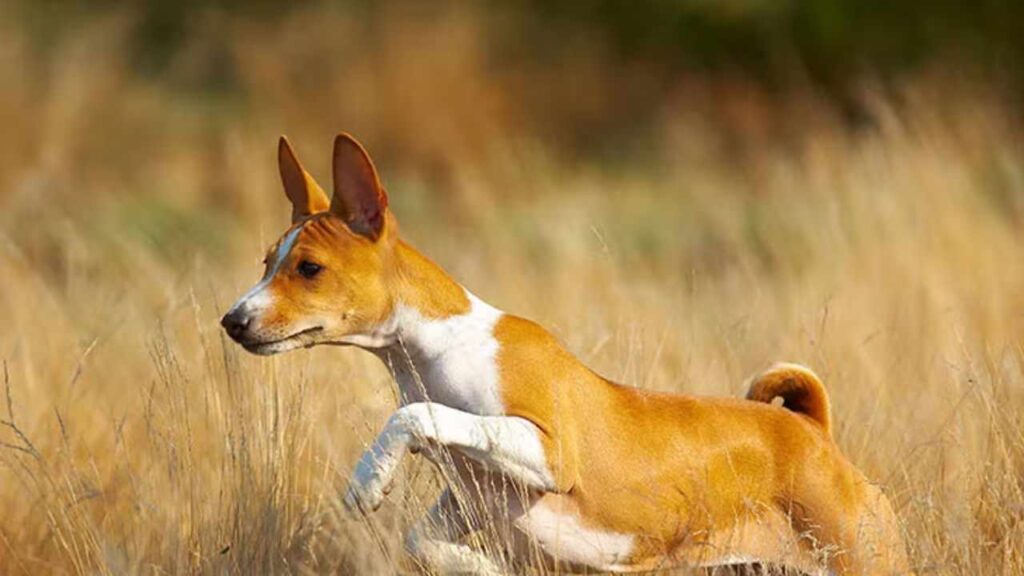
x=800, y=389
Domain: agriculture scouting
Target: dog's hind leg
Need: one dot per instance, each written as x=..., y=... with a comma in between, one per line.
x=879, y=546
x=433, y=542
x=859, y=534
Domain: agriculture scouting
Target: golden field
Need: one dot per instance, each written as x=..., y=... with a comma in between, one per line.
x=684, y=250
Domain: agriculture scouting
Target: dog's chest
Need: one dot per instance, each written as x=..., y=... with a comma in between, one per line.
x=454, y=361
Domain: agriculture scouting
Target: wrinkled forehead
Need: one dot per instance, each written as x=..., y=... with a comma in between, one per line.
x=279, y=251
x=319, y=231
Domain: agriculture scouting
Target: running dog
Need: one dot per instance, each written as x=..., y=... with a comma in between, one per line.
x=611, y=477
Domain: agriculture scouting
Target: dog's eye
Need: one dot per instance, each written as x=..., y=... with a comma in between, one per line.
x=309, y=269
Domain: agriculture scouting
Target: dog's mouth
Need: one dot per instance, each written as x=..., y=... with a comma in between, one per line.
x=266, y=347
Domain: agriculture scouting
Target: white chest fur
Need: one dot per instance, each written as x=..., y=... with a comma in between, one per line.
x=452, y=361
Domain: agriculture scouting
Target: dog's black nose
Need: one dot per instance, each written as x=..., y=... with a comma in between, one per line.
x=235, y=323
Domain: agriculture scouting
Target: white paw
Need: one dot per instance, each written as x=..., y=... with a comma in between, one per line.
x=375, y=472
x=371, y=482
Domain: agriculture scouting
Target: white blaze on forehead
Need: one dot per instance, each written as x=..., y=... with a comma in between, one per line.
x=283, y=249
x=255, y=297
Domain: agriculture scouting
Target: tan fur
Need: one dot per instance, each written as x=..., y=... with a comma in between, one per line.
x=696, y=481
x=696, y=478
x=363, y=277
x=306, y=196
x=413, y=271
x=800, y=389
x=352, y=290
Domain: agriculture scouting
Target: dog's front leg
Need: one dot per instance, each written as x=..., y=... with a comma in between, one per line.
x=510, y=446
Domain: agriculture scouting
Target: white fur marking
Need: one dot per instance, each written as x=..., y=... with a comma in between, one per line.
x=561, y=535
x=256, y=298
x=454, y=360
x=508, y=445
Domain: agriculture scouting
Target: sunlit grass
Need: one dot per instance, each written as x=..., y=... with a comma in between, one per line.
x=137, y=440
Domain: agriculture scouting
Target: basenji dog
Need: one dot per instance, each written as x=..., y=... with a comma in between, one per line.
x=608, y=477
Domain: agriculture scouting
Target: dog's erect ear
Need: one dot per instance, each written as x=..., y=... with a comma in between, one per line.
x=359, y=199
x=307, y=197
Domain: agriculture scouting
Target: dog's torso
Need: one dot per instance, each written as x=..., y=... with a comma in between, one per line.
x=641, y=475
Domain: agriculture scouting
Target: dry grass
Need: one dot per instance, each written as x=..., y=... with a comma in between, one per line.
x=132, y=211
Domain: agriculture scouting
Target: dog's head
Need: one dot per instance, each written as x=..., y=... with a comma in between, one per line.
x=326, y=277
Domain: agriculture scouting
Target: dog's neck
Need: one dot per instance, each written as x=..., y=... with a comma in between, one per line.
x=439, y=341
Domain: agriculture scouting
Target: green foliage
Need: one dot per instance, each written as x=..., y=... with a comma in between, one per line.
x=830, y=44
x=827, y=39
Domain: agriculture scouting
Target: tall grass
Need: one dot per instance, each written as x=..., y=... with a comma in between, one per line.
x=734, y=230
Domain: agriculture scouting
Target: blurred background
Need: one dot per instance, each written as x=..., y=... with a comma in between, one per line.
x=682, y=191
